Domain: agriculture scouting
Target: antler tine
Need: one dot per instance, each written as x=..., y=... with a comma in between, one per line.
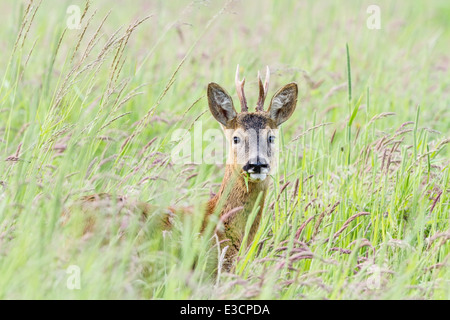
x=263, y=89
x=240, y=91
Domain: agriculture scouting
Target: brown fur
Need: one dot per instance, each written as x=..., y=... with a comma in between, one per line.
x=229, y=198
x=119, y=209
x=234, y=193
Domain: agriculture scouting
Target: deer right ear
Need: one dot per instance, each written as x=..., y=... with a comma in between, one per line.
x=283, y=103
x=220, y=104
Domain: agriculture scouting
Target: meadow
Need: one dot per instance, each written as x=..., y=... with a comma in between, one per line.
x=92, y=93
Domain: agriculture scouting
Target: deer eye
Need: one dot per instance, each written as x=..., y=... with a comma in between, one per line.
x=271, y=139
x=236, y=140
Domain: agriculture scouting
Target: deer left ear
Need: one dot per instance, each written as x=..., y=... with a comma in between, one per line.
x=220, y=104
x=283, y=103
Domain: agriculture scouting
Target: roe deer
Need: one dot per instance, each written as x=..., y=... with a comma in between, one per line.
x=251, y=137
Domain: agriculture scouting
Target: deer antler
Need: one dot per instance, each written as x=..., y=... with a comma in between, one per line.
x=263, y=89
x=240, y=91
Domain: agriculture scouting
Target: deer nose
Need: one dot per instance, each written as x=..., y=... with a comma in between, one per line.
x=256, y=166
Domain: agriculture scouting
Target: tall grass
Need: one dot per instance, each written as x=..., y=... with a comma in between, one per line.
x=359, y=207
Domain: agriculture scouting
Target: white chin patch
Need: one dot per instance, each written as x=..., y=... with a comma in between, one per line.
x=258, y=176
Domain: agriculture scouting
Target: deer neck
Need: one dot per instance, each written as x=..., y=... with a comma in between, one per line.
x=236, y=200
x=236, y=192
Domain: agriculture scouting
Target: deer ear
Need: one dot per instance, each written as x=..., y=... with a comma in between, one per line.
x=283, y=103
x=220, y=104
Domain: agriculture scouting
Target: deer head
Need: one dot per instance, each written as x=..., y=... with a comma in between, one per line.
x=252, y=135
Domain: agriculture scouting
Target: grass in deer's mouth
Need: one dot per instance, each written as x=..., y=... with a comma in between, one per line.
x=246, y=176
x=358, y=208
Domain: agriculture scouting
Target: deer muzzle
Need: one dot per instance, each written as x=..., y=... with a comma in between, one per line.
x=258, y=169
